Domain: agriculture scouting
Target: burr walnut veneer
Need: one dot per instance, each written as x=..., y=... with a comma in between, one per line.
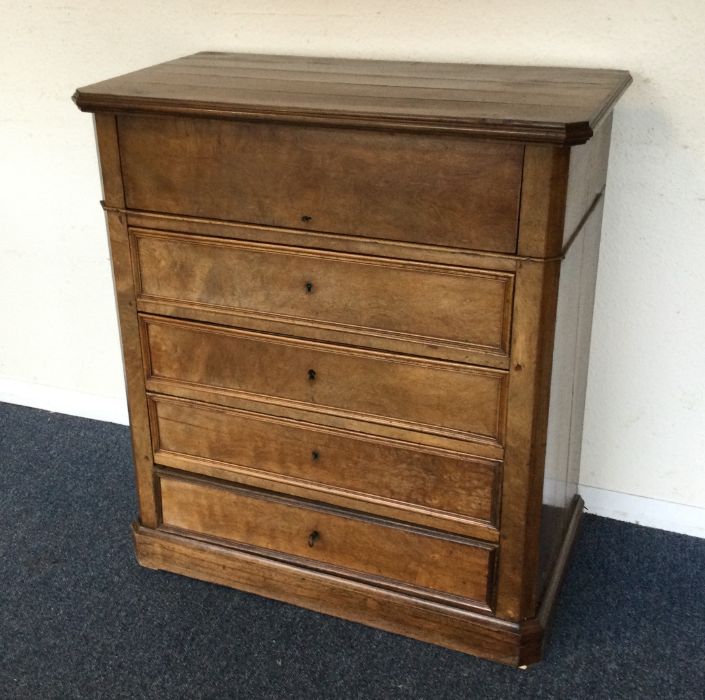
x=355, y=301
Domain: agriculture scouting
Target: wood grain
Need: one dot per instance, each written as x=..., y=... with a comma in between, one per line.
x=355, y=302
x=557, y=105
x=377, y=185
x=543, y=201
x=347, y=243
x=330, y=418
x=427, y=395
x=528, y=405
x=451, y=626
x=106, y=132
x=281, y=451
x=105, y=126
x=398, y=300
x=346, y=541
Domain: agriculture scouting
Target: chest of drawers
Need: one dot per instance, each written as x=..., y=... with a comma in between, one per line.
x=355, y=301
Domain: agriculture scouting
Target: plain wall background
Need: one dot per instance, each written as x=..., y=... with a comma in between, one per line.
x=644, y=444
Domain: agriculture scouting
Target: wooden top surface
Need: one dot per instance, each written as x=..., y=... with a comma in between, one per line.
x=554, y=105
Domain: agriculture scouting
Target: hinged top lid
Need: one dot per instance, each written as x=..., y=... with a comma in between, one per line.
x=553, y=105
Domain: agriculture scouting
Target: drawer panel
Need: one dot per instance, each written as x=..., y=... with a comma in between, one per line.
x=427, y=304
x=333, y=462
x=439, y=189
x=441, y=397
x=356, y=544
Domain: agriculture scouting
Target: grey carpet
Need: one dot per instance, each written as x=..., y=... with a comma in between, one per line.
x=80, y=619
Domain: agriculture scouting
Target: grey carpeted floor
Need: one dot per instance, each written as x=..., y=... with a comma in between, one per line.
x=80, y=619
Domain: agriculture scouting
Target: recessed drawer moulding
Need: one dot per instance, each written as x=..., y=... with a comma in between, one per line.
x=355, y=301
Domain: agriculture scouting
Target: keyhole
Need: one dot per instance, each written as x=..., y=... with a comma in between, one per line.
x=315, y=455
x=312, y=374
x=309, y=287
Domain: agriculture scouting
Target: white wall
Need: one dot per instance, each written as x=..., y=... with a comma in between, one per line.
x=644, y=445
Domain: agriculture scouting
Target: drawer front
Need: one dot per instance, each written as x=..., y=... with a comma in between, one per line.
x=327, y=459
x=441, y=190
x=430, y=304
x=373, y=547
x=441, y=397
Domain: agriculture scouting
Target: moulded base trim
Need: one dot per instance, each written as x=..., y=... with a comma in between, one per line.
x=456, y=628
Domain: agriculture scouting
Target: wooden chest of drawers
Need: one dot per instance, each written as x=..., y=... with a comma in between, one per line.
x=355, y=301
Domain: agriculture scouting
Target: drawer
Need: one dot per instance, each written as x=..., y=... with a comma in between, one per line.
x=373, y=298
x=427, y=395
x=322, y=461
x=349, y=542
x=439, y=189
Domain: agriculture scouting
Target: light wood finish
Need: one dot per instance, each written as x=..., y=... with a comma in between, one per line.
x=109, y=157
x=457, y=628
x=380, y=387
x=419, y=252
x=406, y=188
x=355, y=302
x=362, y=425
x=397, y=302
x=108, y=151
x=400, y=554
x=525, y=103
x=532, y=343
x=279, y=453
x=543, y=201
